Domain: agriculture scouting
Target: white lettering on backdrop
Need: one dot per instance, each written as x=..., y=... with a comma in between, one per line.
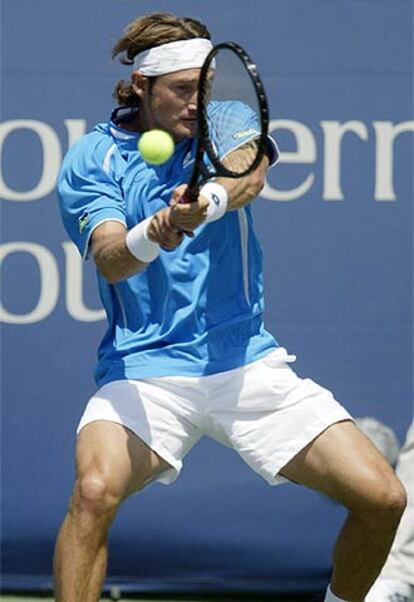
x=332, y=134
x=50, y=284
x=51, y=155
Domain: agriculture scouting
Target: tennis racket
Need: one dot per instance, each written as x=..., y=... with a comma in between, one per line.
x=232, y=118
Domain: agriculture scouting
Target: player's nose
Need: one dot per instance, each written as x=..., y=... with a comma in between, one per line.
x=192, y=103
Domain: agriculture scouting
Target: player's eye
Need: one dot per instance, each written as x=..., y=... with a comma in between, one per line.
x=185, y=89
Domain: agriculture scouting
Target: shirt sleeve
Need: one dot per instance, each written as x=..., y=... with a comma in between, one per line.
x=88, y=190
x=235, y=123
x=272, y=151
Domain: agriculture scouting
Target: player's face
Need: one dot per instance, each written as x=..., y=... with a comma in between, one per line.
x=171, y=103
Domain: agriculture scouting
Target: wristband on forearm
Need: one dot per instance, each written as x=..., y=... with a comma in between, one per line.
x=139, y=244
x=218, y=200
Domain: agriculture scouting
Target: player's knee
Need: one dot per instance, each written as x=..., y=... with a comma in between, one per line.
x=95, y=496
x=394, y=502
x=386, y=504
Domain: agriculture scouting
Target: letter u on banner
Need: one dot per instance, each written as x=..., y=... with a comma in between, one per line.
x=49, y=282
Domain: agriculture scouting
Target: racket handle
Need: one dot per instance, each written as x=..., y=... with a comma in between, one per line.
x=190, y=195
x=186, y=198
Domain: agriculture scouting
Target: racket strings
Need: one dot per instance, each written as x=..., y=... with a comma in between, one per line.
x=233, y=114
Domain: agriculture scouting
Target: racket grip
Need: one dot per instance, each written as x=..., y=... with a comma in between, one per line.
x=190, y=195
x=186, y=198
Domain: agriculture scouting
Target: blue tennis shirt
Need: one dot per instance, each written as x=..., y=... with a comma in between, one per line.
x=197, y=310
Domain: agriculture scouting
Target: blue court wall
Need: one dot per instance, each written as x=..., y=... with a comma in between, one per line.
x=335, y=221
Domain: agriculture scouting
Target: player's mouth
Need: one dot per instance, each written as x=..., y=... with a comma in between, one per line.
x=190, y=122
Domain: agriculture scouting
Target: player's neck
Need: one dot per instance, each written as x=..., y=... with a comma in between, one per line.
x=131, y=126
x=141, y=123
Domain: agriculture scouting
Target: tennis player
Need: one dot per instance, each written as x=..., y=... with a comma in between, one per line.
x=186, y=352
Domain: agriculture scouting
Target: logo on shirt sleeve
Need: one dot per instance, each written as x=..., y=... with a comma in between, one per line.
x=83, y=221
x=244, y=133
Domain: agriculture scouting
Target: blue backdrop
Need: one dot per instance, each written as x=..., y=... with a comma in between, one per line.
x=335, y=220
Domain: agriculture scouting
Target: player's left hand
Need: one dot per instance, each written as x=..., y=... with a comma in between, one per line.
x=187, y=216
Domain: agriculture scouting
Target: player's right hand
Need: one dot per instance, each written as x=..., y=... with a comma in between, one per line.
x=162, y=230
x=187, y=216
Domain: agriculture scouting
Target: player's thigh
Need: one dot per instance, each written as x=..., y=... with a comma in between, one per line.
x=116, y=457
x=343, y=464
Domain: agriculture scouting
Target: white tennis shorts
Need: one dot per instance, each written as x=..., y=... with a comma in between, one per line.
x=263, y=410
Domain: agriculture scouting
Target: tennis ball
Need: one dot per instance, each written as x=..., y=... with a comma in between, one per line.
x=156, y=146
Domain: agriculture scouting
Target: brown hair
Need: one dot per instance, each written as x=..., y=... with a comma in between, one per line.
x=147, y=32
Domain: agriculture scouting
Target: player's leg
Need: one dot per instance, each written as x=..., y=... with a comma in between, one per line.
x=305, y=435
x=343, y=464
x=112, y=463
x=396, y=581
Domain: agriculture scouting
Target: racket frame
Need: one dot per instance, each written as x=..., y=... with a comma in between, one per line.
x=204, y=144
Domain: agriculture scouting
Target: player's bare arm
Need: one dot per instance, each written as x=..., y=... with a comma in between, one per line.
x=113, y=258
x=242, y=191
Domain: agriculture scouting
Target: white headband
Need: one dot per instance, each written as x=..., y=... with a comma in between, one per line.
x=175, y=56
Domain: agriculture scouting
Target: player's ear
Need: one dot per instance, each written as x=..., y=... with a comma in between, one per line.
x=140, y=84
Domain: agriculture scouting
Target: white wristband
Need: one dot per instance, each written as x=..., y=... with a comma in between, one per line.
x=139, y=244
x=218, y=199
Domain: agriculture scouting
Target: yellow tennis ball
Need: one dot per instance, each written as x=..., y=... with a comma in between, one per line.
x=156, y=146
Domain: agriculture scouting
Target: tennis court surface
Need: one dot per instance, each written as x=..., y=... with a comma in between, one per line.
x=116, y=595
x=233, y=598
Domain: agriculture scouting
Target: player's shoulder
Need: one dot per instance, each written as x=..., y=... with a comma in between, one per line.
x=230, y=123
x=231, y=117
x=227, y=107
x=92, y=148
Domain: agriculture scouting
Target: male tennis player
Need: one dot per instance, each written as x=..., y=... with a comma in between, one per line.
x=186, y=352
